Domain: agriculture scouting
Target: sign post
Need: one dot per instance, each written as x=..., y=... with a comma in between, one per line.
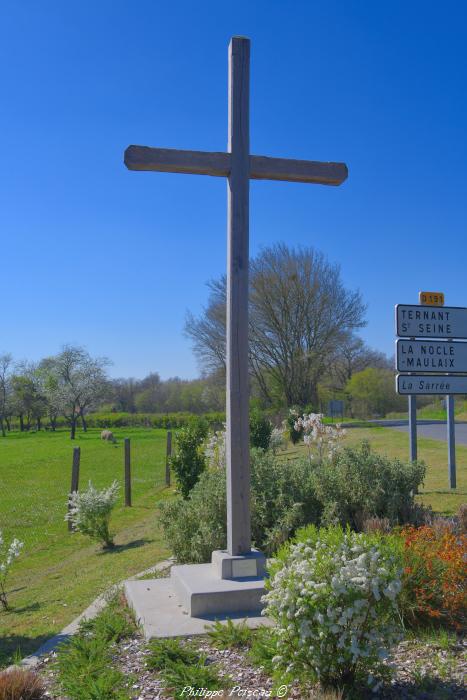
x=451, y=442
x=432, y=361
x=413, y=427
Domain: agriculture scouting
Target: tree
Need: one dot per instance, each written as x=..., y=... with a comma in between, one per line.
x=28, y=397
x=124, y=393
x=6, y=361
x=373, y=392
x=300, y=312
x=74, y=382
x=353, y=355
x=149, y=396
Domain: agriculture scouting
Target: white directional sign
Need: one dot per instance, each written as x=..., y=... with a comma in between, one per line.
x=431, y=356
x=413, y=321
x=434, y=384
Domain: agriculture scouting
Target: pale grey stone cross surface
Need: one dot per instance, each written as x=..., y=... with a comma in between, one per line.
x=238, y=166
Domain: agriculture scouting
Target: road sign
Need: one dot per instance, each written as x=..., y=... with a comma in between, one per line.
x=431, y=298
x=434, y=384
x=336, y=408
x=413, y=321
x=431, y=356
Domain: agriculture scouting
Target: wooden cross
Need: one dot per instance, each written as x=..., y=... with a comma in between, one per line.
x=239, y=167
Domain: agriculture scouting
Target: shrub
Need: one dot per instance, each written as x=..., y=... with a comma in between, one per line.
x=183, y=669
x=376, y=525
x=295, y=433
x=263, y=650
x=193, y=528
x=332, y=594
x=323, y=438
x=462, y=518
x=19, y=684
x=435, y=576
x=359, y=484
x=162, y=652
x=7, y=557
x=114, y=623
x=260, y=430
x=85, y=664
x=90, y=512
x=282, y=499
x=278, y=440
x=199, y=677
x=214, y=449
x=230, y=635
x=189, y=460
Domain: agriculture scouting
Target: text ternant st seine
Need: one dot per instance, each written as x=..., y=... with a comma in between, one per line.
x=430, y=321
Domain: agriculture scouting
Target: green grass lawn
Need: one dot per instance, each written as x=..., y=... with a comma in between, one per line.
x=58, y=573
x=436, y=491
x=435, y=411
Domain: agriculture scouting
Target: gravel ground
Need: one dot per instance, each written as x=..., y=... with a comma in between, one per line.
x=422, y=671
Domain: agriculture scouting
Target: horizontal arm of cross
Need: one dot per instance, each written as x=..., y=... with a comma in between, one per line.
x=170, y=160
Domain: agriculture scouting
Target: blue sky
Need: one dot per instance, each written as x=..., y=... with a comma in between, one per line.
x=93, y=254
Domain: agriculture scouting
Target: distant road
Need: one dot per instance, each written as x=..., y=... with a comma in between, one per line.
x=436, y=430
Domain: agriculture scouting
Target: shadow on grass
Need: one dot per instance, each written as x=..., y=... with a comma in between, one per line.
x=15, y=646
x=119, y=548
x=17, y=590
x=26, y=608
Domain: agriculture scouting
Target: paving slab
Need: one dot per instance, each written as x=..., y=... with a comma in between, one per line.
x=160, y=612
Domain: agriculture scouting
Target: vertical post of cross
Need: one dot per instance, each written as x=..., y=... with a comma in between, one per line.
x=237, y=399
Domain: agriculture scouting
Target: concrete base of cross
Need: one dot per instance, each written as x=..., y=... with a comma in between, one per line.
x=231, y=566
x=229, y=584
x=197, y=594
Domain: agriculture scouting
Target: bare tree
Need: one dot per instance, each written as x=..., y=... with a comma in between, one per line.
x=299, y=314
x=353, y=355
x=124, y=394
x=207, y=332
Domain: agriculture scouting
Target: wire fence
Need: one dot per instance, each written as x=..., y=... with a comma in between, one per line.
x=36, y=478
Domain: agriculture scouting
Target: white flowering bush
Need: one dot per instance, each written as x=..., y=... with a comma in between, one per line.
x=333, y=595
x=8, y=554
x=323, y=438
x=90, y=511
x=214, y=449
x=278, y=439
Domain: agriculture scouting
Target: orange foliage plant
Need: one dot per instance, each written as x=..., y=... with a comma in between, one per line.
x=435, y=576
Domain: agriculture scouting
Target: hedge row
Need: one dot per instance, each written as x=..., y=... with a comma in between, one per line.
x=151, y=420
x=168, y=421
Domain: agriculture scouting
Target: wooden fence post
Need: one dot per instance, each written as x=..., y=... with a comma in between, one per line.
x=74, y=477
x=167, y=457
x=127, y=473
